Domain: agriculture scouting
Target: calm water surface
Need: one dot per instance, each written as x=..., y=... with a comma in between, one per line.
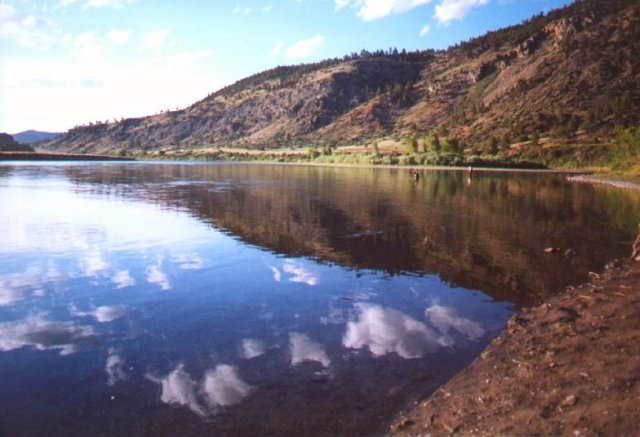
x=186, y=299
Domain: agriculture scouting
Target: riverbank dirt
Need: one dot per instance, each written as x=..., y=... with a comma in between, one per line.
x=570, y=366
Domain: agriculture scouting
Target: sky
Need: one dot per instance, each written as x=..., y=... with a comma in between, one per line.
x=65, y=63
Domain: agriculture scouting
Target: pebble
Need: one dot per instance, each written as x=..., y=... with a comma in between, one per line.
x=569, y=401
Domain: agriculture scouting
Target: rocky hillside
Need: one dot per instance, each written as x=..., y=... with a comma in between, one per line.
x=8, y=144
x=571, y=74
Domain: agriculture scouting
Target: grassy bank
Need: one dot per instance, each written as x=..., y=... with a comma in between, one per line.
x=350, y=156
x=616, y=155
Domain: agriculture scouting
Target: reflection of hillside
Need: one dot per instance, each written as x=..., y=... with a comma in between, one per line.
x=488, y=235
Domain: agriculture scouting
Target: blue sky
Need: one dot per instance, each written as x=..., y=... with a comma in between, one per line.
x=69, y=62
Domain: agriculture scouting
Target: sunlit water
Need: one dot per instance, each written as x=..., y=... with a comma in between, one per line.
x=176, y=299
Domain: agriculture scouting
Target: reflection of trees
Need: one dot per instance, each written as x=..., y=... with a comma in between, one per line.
x=489, y=235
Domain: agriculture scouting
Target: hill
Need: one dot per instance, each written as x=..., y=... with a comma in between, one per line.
x=33, y=136
x=9, y=144
x=570, y=76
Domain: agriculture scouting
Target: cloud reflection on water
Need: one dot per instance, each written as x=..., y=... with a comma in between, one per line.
x=445, y=319
x=251, y=348
x=155, y=275
x=32, y=281
x=302, y=349
x=277, y=276
x=93, y=264
x=179, y=388
x=9, y=295
x=102, y=314
x=188, y=261
x=115, y=368
x=42, y=334
x=385, y=330
x=300, y=273
x=220, y=387
x=223, y=386
x=123, y=279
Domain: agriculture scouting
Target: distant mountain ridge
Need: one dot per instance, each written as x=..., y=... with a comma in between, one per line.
x=570, y=73
x=34, y=136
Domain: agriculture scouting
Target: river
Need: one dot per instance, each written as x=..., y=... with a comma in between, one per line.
x=239, y=299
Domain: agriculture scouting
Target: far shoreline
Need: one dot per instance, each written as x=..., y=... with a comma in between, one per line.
x=43, y=156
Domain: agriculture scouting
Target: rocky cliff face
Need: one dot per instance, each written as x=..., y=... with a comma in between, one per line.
x=571, y=72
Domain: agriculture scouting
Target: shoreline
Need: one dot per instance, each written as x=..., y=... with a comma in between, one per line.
x=615, y=183
x=40, y=156
x=558, y=171
x=577, y=172
x=569, y=366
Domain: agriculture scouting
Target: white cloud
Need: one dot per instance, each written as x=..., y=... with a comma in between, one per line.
x=153, y=41
x=425, y=30
x=242, y=11
x=268, y=8
x=116, y=4
x=304, y=48
x=65, y=3
x=302, y=349
x=119, y=37
x=449, y=10
x=300, y=273
x=91, y=75
x=6, y=12
x=445, y=319
x=369, y=10
x=38, y=332
x=251, y=348
x=277, y=49
x=115, y=368
x=27, y=30
x=223, y=386
x=102, y=314
x=341, y=4
x=111, y=83
x=123, y=279
x=385, y=331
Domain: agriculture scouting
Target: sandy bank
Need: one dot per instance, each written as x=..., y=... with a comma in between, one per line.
x=570, y=366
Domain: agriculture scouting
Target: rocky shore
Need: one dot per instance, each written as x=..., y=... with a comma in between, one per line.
x=570, y=366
